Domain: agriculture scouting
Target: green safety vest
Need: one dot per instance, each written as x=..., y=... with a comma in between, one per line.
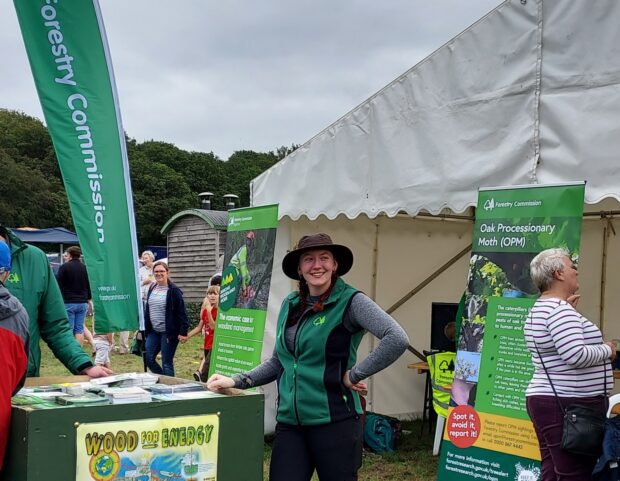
x=441, y=369
x=310, y=387
x=240, y=261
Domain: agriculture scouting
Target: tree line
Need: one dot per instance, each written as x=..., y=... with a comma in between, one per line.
x=164, y=178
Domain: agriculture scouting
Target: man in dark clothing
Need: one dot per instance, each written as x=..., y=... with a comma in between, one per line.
x=33, y=283
x=14, y=351
x=75, y=288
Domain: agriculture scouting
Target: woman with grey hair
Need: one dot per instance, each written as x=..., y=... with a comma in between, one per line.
x=570, y=356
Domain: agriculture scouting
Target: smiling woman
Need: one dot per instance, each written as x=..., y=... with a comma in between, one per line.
x=317, y=268
x=319, y=329
x=165, y=319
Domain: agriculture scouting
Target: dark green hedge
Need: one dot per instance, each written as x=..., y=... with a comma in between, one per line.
x=193, y=313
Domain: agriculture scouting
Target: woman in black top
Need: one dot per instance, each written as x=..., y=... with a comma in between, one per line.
x=75, y=289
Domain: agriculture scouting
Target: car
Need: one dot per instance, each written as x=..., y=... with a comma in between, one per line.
x=54, y=260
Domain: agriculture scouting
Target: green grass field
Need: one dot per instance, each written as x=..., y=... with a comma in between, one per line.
x=411, y=461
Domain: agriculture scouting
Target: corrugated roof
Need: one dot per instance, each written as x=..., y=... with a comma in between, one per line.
x=218, y=219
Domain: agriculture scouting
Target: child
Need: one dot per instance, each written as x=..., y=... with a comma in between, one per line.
x=103, y=345
x=208, y=315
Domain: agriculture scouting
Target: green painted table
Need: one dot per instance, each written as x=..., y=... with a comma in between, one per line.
x=42, y=444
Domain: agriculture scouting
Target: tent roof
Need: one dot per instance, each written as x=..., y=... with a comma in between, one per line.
x=218, y=219
x=53, y=235
x=528, y=94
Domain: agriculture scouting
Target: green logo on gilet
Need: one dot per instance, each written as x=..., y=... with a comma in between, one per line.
x=13, y=278
x=319, y=321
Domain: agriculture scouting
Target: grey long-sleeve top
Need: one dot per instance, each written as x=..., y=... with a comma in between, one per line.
x=363, y=313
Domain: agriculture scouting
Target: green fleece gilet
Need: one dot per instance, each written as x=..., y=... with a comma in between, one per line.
x=311, y=390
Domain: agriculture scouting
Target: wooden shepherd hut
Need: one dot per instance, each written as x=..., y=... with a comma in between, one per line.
x=196, y=240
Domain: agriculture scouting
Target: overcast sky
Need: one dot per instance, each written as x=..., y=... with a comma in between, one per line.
x=229, y=75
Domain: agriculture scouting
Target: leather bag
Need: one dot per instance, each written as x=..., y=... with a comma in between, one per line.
x=584, y=427
x=583, y=431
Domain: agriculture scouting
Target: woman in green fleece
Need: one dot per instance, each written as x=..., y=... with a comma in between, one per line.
x=315, y=364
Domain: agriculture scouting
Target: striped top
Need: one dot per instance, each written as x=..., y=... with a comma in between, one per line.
x=572, y=349
x=157, y=307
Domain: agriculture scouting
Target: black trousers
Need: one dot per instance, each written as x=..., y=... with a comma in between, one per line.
x=334, y=450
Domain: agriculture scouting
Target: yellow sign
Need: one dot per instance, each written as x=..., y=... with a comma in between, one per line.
x=180, y=449
x=497, y=433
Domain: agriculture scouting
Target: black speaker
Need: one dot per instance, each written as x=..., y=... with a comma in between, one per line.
x=443, y=326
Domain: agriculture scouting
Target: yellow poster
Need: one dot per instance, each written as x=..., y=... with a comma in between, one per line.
x=169, y=449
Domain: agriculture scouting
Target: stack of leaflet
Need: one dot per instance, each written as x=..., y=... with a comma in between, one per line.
x=83, y=400
x=127, y=395
x=62, y=395
x=176, y=392
x=176, y=388
x=31, y=401
x=127, y=380
x=178, y=396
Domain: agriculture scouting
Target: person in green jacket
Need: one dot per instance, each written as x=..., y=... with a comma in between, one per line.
x=32, y=281
x=240, y=261
x=319, y=329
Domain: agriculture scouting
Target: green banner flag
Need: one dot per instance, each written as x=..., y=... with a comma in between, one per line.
x=248, y=260
x=488, y=434
x=69, y=57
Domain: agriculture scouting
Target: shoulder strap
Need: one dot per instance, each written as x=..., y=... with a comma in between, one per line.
x=557, y=398
x=151, y=287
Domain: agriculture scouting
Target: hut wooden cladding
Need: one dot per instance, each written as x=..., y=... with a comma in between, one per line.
x=196, y=240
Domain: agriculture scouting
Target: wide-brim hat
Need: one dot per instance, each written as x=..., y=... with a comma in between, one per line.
x=342, y=254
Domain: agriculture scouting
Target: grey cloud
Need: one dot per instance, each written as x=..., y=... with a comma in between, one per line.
x=226, y=75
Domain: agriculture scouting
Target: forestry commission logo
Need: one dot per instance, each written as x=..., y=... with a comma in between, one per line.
x=489, y=204
x=13, y=278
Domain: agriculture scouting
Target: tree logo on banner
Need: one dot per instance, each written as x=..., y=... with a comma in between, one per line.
x=229, y=288
x=489, y=204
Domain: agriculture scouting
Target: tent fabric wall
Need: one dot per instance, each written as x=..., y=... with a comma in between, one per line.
x=528, y=94
x=403, y=261
x=409, y=250
x=580, y=96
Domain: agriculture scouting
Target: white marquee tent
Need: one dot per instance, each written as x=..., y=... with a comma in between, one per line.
x=529, y=94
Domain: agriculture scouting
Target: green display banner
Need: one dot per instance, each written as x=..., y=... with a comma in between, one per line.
x=240, y=324
x=488, y=433
x=69, y=57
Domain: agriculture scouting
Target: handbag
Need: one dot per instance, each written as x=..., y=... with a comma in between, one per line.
x=583, y=428
x=583, y=432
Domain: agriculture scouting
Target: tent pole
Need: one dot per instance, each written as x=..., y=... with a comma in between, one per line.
x=373, y=294
x=607, y=230
x=428, y=280
x=60, y=259
x=602, y=214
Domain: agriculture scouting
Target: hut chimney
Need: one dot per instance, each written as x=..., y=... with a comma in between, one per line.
x=205, y=200
x=231, y=201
